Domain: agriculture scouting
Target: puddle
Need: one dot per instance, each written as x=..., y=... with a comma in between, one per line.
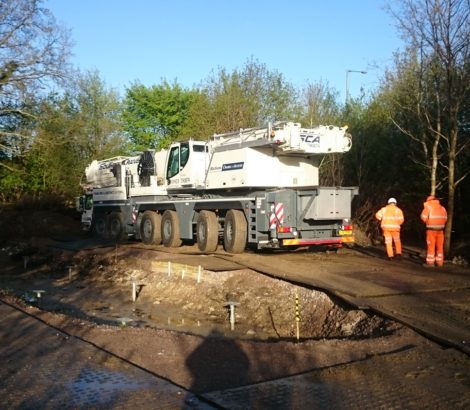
x=168, y=317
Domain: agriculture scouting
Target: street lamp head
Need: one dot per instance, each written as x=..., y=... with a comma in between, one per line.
x=356, y=71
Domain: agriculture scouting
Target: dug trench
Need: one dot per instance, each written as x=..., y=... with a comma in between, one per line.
x=174, y=320
x=124, y=286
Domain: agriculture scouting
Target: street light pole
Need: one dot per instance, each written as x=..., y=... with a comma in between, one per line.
x=347, y=81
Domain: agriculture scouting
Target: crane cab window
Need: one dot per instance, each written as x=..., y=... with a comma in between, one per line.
x=88, y=202
x=178, y=158
x=184, y=154
x=199, y=148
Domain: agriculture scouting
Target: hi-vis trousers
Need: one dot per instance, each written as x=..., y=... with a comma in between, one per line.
x=392, y=236
x=435, y=251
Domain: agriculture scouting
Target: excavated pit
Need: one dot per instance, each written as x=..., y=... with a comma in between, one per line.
x=107, y=288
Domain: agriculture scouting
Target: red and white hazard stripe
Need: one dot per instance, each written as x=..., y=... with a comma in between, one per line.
x=276, y=216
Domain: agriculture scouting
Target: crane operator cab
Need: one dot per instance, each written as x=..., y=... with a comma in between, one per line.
x=186, y=165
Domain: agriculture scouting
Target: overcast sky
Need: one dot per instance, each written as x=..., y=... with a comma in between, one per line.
x=185, y=40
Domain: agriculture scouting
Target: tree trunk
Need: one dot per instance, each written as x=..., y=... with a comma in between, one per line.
x=434, y=163
x=451, y=190
x=435, y=146
x=450, y=219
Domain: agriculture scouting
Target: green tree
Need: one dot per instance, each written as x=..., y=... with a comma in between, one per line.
x=200, y=122
x=74, y=128
x=98, y=109
x=320, y=104
x=155, y=116
x=252, y=96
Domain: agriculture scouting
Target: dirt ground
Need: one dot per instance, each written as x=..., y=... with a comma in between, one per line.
x=174, y=319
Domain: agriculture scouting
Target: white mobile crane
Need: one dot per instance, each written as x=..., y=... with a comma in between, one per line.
x=257, y=187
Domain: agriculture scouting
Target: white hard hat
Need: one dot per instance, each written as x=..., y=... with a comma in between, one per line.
x=392, y=201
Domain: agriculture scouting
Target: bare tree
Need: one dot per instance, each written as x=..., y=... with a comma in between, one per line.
x=248, y=97
x=438, y=31
x=33, y=52
x=321, y=105
x=321, y=108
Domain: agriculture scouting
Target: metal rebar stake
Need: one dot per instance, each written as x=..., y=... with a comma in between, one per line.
x=231, y=304
x=134, y=290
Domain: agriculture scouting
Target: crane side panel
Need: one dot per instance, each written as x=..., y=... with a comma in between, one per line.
x=330, y=203
x=260, y=168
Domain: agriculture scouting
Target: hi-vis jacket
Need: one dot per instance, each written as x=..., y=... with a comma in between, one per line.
x=390, y=217
x=434, y=215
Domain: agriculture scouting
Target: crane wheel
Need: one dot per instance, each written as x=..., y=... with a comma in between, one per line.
x=116, y=228
x=235, y=231
x=171, y=229
x=207, y=231
x=99, y=226
x=151, y=228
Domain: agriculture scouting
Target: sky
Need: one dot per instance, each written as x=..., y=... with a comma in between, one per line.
x=307, y=41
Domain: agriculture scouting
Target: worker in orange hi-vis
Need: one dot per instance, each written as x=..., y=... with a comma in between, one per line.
x=434, y=215
x=391, y=218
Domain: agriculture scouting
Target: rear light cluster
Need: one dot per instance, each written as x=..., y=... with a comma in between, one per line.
x=346, y=232
x=347, y=225
x=346, y=229
x=284, y=229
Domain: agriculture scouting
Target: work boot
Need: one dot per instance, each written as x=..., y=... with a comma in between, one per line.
x=390, y=258
x=427, y=265
x=398, y=257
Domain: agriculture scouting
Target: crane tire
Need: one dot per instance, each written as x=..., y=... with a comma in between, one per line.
x=151, y=228
x=116, y=227
x=207, y=230
x=99, y=226
x=235, y=231
x=171, y=229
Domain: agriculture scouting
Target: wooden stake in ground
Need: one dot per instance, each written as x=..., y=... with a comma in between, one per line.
x=297, y=317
